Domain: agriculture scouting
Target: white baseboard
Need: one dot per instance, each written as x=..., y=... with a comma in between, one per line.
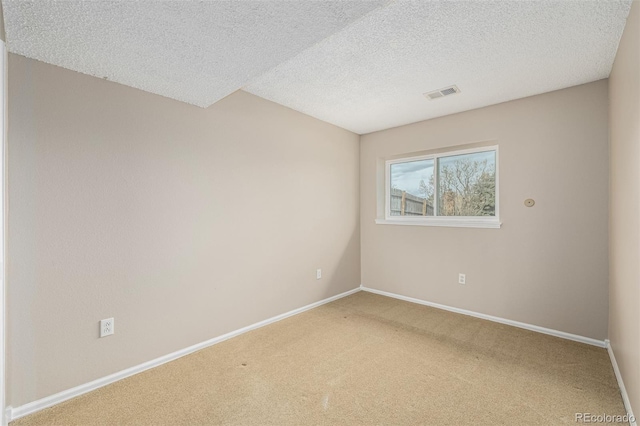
x=623, y=390
x=32, y=407
x=549, y=331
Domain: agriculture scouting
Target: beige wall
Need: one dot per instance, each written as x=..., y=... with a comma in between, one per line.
x=182, y=223
x=624, y=242
x=548, y=264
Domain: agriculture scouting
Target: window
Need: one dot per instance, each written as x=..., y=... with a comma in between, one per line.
x=457, y=188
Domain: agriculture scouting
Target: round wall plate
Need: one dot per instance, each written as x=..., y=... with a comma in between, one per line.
x=529, y=202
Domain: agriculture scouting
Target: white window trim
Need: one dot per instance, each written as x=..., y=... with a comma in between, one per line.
x=452, y=221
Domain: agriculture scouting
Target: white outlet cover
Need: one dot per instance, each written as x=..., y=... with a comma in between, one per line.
x=107, y=327
x=462, y=279
x=318, y=274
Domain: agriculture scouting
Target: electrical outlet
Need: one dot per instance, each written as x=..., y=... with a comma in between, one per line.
x=318, y=274
x=462, y=279
x=107, y=327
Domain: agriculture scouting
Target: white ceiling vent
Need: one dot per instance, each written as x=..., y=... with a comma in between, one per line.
x=451, y=90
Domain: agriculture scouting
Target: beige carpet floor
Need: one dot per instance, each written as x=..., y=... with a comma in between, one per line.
x=362, y=360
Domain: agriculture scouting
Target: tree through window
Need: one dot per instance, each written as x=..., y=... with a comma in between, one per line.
x=457, y=183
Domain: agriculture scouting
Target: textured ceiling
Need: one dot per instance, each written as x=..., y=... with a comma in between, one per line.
x=372, y=75
x=194, y=51
x=362, y=65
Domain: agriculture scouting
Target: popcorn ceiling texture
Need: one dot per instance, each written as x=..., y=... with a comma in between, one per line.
x=197, y=52
x=362, y=65
x=372, y=75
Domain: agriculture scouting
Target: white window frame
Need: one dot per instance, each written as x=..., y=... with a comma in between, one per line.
x=454, y=221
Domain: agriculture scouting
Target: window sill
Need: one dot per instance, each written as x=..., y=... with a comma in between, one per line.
x=449, y=222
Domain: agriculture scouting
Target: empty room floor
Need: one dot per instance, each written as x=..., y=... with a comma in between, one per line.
x=364, y=359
